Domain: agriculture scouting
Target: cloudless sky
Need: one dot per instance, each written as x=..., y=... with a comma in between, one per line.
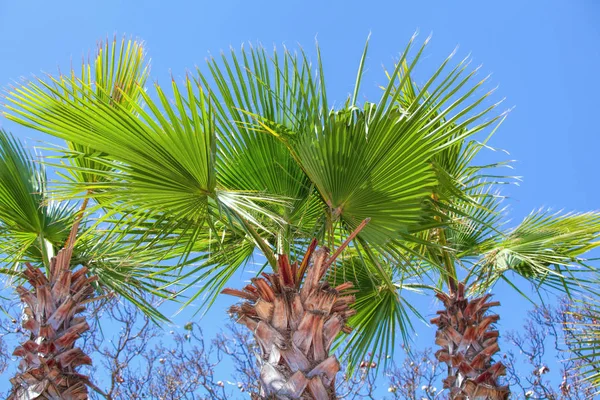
x=544, y=55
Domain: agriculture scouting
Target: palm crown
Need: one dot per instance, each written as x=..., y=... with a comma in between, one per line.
x=36, y=225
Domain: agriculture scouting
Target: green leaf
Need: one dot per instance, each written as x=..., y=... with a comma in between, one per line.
x=545, y=249
x=33, y=225
x=381, y=309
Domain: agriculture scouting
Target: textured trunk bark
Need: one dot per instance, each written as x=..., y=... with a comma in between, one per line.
x=468, y=342
x=48, y=368
x=295, y=321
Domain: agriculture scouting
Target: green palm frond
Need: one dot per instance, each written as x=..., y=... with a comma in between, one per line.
x=245, y=85
x=274, y=86
x=376, y=161
x=544, y=249
x=163, y=158
x=382, y=311
x=150, y=160
x=126, y=267
x=114, y=77
x=23, y=187
x=33, y=225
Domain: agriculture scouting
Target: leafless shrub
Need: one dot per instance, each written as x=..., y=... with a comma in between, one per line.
x=546, y=343
x=136, y=359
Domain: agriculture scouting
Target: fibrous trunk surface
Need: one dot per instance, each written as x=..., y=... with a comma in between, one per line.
x=49, y=359
x=468, y=342
x=295, y=321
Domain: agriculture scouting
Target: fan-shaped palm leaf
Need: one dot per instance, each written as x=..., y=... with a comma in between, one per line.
x=544, y=249
x=33, y=225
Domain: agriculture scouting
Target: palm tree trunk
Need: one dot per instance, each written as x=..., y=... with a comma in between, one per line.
x=49, y=358
x=48, y=369
x=468, y=342
x=295, y=321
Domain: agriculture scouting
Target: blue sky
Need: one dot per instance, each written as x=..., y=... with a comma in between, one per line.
x=544, y=55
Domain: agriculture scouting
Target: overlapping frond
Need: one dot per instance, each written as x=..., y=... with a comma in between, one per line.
x=163, y=154
x=376, y=161
x=281, y=89
x=544, y=249
x=32, y=224
x=127, y=267
x=116, y=75
x=154, y=169
x=382, y=308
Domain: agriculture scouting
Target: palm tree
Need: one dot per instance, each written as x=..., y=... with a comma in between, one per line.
x=56, y=275
x=31, y=228
x=295, y=319
x=251, y=156
x=544, y=250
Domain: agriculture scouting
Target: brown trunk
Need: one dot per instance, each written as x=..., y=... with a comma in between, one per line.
x=48, y=369
x=295, y=321
x=468, y=342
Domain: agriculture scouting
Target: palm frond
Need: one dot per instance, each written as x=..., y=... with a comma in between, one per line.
x=376, y=161
x=382, y=311
x=33, y=225
x=221, y=255
x=274, y=86
x=163, y=157
x=116, y=75
x=544, y=249
x=128, y=268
